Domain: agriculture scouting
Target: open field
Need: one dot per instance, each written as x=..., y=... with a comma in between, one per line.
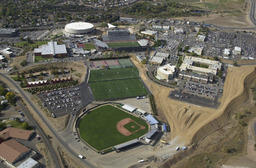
x=117, y=89
x=227, y=13
x=40, y=58
x=113, y=74
x=186, y=119
x=99, y=127
x=123, y=44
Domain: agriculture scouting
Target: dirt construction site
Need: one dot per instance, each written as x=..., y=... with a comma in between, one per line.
x=185, y=120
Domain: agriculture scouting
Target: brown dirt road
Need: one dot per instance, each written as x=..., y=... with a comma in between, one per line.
x=186, y=119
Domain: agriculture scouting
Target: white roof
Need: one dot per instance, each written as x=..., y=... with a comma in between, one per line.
x=188, y=64
x=161, y=54
x=52, y=48
x=238, y=49
x=141, y=111
x=29, y=163
x=79, y=26
x=167, y=69
x=143, y=42
x=197, y=50
x=110, y=26
x=226, y=51
x=149, y=32
x=201, y=37
x=128, y=108
x=157, y=60
x=2, y=57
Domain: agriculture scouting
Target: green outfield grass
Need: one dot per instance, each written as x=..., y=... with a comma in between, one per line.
x=123, y=44
x=89, y=46
x=117, y=89
x=110, y=74
x=98, y=127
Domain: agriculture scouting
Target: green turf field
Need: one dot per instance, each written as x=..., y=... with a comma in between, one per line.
x=110, y=74
x=117, y=89
x=132, y=126
x=123, y=44
x=125, y=62
x=98, y=127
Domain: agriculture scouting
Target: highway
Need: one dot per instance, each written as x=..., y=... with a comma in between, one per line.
x=86, y=163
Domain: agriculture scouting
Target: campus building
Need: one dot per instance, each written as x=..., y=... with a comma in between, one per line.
x=166, y=72
x=8, y=32
x=52, y=49
x=200, y=65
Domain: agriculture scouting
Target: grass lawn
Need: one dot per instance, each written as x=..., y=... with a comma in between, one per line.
x=40, y=58
x=132, y=126
x=123, y=44
x=110, y=74
x=29, y=45
x=98, y=127
x=117, y=89
x=89, y=46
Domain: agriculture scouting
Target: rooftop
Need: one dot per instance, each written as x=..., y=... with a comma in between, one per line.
x=15, y=133
x=52, y=48
x=12, y=150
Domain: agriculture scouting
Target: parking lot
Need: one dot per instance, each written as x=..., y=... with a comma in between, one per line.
x=63, y=101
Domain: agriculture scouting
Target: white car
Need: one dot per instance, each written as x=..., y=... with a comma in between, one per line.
x=177, y=148
x=81, y=156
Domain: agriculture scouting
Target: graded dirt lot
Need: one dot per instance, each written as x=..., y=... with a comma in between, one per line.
x=228, y=13
x=186, y=119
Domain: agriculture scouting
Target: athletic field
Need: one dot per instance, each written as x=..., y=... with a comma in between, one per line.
x=111, y=84
x=123, y=44
x=107, y=126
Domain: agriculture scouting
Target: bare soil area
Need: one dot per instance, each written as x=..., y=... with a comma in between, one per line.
x=186, y=119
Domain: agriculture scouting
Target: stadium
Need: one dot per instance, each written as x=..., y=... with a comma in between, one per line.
x=108, y=126
x=78, y=28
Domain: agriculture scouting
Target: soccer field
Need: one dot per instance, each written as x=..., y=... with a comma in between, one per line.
x=112, y=84
x=118, y=89
x=111, y=74
x=99, y=127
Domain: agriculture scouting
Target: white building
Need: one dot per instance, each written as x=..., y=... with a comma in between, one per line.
x=166, y=72
x=149, y=32
x=201, y=38
x=78, y=28
x=143, y=42
x=237, y=51
x=178, y=31
x=196, y=50
x=188, y=64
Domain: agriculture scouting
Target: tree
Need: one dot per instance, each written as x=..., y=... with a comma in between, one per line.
x=2, y=126
x=10, y=96
x=24, y=63
x=25, y=125
x=3, y=91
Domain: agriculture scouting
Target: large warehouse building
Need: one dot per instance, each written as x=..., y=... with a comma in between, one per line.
x=78, y=28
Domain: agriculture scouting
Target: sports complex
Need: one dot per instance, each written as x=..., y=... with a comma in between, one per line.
x=115, y=79
x=108, y=125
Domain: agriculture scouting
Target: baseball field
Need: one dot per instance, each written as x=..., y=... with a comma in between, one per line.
x=111, y=84
x=107, y=126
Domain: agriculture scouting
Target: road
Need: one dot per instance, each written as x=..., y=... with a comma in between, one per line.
x=252, y=12
x=43, y=135
x=86, y=163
